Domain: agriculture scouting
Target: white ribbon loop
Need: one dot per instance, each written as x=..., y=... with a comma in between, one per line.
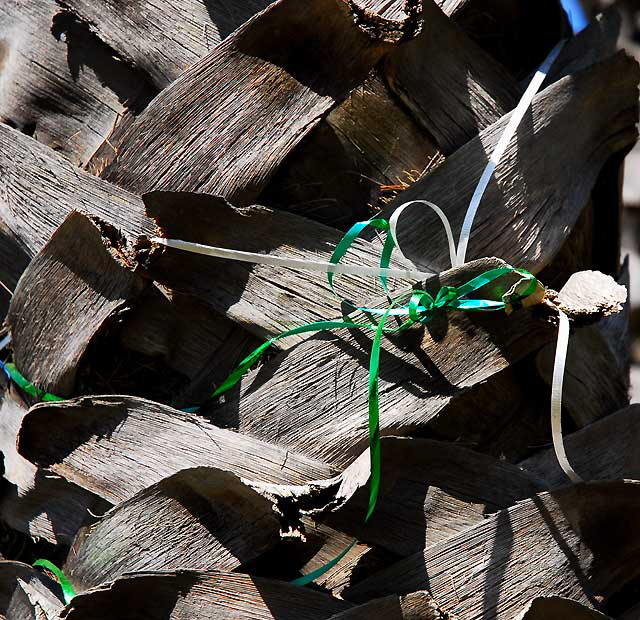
x=458, y=256
x=393, y=226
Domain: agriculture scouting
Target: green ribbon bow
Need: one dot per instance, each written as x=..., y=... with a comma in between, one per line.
x=415, y=307
x=420, y=309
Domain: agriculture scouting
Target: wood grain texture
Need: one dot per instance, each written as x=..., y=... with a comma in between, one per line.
x=272, y=81
x=596, y=376
x=189, y=336
x=597, y=42
x=604, y=450
x=481, y=419
x=557, y=608
x=60, y=83
x=294, y=557
x=431, y=491
x=575, y=543
x=416, y=606
x=198, y=519
x=164, y=40
x=527, y=227
x=34, y=501
x=313, y=398
x=265, y=300
x=365, y=146
x=594, y=385
x=79, y=437
x=202, y=596
x=38, y=189
x=77, y=284
x=10, y=573
x=456, y=99
x=34, y=600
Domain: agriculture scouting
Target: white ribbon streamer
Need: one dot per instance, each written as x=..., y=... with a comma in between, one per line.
x=292, y=263
x=556, y=397
x=515, y=120
x=5, y=342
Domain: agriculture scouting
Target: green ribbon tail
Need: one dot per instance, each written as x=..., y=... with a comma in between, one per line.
x=307, y=579
x=374, y=418
x=253, y=357
x=67, y=589
x=29, y=388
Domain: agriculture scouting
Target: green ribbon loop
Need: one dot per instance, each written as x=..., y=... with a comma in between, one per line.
x=67, y=589
x=347, y=241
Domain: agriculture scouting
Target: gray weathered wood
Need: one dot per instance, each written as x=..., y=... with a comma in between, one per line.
x=557, y=608
x=456, y=98
x=34, y=600
x=266, y=300
x=594, y=385
x=594, y=44
x=199, y=519
x=507, y=428
x=313, y=398
x=294, y=557
x=189, y=336
x=576, y=543
x=10, y=573
x=202, y=596
x=604, y=450
x=364, y=148
x=589, y=293
x=77, y=284
x=163, y=40
x=60, y=83
x=267, y=97
x=527, y=227
x=38, y=189
x=97, y=441
x=430, y=491
x=596, y=376
x=416, y=606
x=35, y=501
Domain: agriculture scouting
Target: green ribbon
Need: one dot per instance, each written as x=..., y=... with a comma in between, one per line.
x=67, y=589
x=27, y=387
x=420, y=309
x=416, y=307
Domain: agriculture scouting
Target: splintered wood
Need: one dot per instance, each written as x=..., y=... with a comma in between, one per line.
x=272, y=128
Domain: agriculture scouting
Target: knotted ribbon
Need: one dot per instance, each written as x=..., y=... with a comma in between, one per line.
x=416, y=307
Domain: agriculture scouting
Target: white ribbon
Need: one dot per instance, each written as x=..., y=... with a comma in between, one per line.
x=556, y=397
x=5, y=342
x=393, y=227
x=458, y=256
x=292, y=263
x=510, y=130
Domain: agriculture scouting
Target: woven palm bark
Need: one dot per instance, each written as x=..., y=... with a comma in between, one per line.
x=272, y=128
